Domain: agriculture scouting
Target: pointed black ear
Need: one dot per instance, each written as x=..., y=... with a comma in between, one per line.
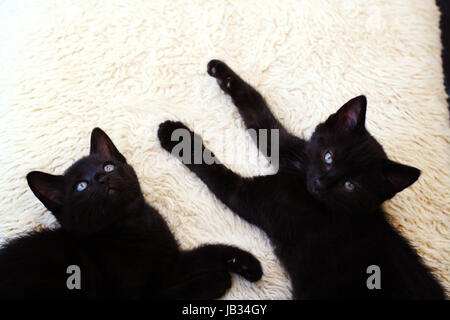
x=102, y=144
x=49, y=189
x=398, y=176
x=352, y=115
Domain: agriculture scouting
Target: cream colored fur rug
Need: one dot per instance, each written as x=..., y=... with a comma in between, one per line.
x=126, y=66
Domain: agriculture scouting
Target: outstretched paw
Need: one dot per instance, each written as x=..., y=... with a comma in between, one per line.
x=246, y=265
x=166, y=133
x=216, y=67
x=228, y=81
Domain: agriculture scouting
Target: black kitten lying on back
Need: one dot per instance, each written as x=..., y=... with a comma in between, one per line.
x=122, y=246
x=322, y=208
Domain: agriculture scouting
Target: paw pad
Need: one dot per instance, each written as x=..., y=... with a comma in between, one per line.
x=228, y=82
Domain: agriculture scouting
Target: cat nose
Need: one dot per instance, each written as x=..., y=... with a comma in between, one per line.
x=318, y=185
x=101, y=178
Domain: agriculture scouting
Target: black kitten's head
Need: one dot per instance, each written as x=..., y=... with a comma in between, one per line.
x=93, y=192
x=348, y=169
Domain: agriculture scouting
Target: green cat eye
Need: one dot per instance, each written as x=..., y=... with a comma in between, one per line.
x=349, y=186
x=109, y=167
x=81, y=186
x=328, y=158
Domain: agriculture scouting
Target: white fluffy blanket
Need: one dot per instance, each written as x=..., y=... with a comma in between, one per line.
x=126, y=66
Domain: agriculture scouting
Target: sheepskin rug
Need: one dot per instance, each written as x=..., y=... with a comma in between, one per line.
x=69, y=66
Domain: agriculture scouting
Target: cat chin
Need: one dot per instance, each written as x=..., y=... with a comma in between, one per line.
x=112, y=191
x=315, y=194
x=319, y=197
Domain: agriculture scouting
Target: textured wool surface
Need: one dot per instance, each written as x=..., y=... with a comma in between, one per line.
x=69, y=66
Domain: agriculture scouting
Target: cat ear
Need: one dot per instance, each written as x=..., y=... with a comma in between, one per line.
x=398, y=176
x=49, y=189
x=102, y=144
x=352, y=115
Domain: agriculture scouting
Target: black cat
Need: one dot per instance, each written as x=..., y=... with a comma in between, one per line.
x=321, y=210
x=121, y=245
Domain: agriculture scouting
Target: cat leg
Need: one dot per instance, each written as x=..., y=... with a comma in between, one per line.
x=238, y=193
x=203, y=273
x=257, y=115
x=250, y=103
x=221, y=257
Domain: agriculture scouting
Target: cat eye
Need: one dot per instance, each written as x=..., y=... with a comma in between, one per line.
x=349, y=186
x=328, y=158
x=109, y=167
x=81, y=186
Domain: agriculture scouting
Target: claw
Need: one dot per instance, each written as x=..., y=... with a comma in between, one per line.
x=232, y=260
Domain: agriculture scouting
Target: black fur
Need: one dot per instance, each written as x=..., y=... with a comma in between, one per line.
x=444, y=24
x=324, y=220
x=122, y=245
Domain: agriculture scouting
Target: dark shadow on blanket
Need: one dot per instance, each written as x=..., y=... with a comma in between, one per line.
x=444, y=6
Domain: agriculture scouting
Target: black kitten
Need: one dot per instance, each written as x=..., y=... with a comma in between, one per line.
x=121, y=245
x=322, y=208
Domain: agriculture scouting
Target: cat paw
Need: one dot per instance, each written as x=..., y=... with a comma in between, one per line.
x=225, y=77
x=165, y=133
x=246, y=265
x=216, y=67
